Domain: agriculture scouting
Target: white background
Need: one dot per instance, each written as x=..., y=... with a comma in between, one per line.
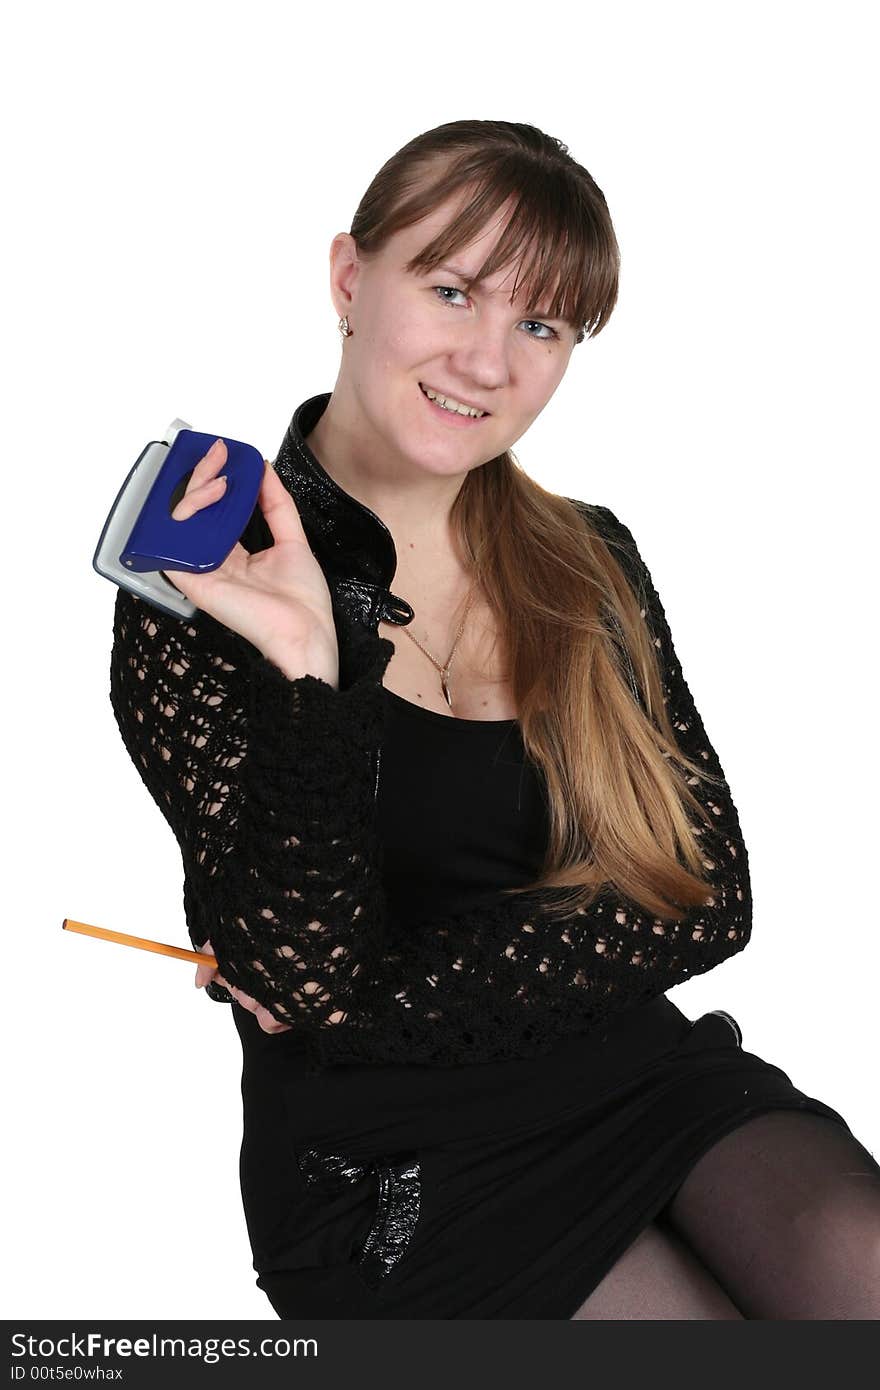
x=174, y=175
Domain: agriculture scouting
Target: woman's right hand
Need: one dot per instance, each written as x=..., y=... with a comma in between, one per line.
x=277, y=599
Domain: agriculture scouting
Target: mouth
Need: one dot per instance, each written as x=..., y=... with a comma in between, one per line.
x=452, y=416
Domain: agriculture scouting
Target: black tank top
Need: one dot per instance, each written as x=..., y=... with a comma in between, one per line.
x=461, y=810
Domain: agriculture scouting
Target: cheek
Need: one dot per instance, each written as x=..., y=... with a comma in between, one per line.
x=414, y=341
x=553, y=370
x=410, y=331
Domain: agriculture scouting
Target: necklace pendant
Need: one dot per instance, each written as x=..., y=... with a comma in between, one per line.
x=444, y=683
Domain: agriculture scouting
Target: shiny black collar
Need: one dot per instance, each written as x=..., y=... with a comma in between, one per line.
x=353, y=546
x=356, y=550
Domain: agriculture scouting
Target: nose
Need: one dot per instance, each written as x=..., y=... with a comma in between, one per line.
x=483, y=355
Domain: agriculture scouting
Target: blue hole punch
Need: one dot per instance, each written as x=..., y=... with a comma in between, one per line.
x=140, y=538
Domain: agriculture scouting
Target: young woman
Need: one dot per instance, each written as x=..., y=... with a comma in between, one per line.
x=450, y=844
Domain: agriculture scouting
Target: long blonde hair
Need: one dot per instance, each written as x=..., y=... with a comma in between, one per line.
x=574, y=634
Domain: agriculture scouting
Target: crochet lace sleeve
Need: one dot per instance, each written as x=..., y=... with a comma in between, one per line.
x=269, y=787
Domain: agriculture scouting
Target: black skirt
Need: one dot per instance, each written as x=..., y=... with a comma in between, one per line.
x=505, y=1190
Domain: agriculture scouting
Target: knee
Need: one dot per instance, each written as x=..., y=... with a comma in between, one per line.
x=839, y=1234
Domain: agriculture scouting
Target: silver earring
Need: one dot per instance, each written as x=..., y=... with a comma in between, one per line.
x=344, y=327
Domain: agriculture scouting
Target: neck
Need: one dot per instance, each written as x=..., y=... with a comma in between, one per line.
x=414, y=505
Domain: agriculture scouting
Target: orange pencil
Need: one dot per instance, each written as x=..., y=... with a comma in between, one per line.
x=142, y=942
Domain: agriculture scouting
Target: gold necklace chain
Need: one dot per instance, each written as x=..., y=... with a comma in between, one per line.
x=444, y=667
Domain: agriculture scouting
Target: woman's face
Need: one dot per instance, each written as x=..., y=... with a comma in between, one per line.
x=413, y=330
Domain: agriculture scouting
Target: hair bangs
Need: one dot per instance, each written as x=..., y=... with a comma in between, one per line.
x=565, y=267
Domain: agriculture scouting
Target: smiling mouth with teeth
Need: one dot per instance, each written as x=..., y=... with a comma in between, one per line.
x=453, y=406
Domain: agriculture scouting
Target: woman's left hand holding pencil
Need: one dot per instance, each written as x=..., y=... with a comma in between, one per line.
x=206, y=973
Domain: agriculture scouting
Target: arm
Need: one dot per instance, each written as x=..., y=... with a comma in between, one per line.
x=266, y=784
x=271, y=798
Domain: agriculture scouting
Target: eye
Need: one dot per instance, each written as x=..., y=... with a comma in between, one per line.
x=547, y=336
x=550, y=334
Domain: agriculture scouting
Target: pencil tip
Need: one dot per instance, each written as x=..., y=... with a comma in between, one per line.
x=64, y=924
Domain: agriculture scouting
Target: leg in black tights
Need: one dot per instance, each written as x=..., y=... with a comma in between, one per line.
x=657, y=1278
x=784, y=1211
x=778, y=1220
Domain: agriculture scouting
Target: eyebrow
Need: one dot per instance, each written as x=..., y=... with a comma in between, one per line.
x=468, y=279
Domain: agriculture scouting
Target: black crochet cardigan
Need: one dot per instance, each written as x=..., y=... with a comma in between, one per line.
x=269, y=786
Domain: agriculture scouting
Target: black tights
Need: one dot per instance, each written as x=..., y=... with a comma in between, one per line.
x=779, y=1220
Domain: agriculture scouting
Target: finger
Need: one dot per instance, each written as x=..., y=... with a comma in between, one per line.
x=269, y=1023
x=246, y=1001
x=205, y=973
x=209, y=464
x=203, y=496
x=205, y=472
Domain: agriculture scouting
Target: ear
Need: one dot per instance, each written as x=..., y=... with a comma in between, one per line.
x=345, y=267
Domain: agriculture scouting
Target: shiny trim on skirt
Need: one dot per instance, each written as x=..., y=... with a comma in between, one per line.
x=397, y=1209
